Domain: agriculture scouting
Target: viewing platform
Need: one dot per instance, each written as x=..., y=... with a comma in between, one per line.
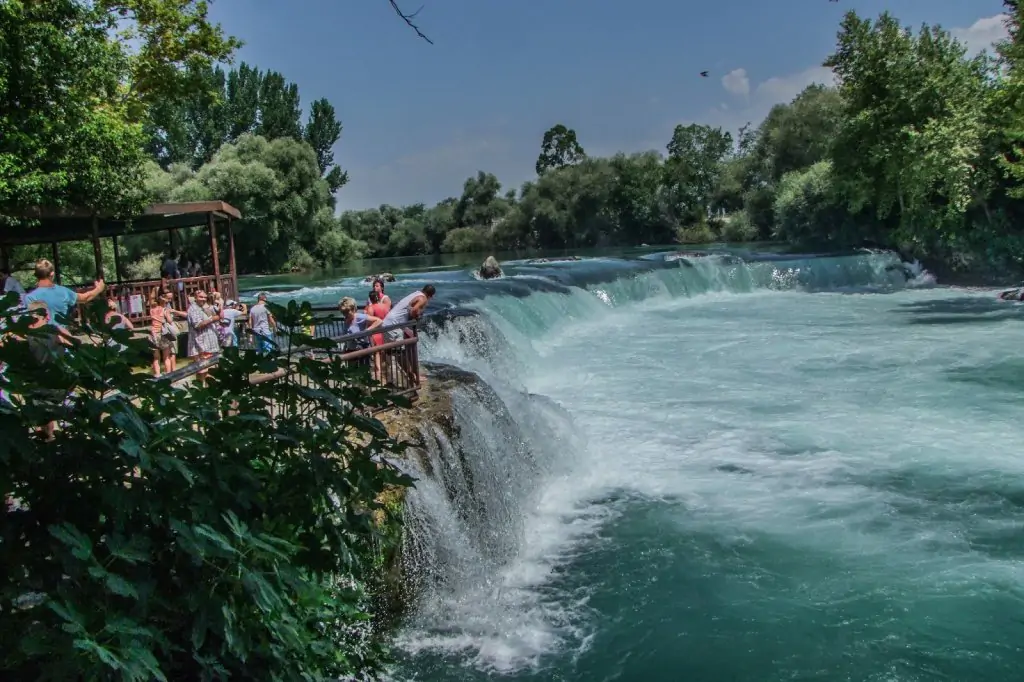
x=57, y=226
x=394, y=365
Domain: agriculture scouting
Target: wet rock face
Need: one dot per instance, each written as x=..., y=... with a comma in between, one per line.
x=384, y=276
x=434, y=406
x=431, y=417
x=490, y=269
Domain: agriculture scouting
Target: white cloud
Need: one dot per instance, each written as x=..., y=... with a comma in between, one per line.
x=763, y=96
x=982, y=34
x=736, y=82
x=779, y=89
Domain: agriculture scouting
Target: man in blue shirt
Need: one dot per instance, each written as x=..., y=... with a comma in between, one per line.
x=59, y=300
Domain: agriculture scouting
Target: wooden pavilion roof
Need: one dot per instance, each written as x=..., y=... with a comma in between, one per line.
x=66, y=225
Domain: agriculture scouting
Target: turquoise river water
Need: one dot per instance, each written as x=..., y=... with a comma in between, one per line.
x=767, y=469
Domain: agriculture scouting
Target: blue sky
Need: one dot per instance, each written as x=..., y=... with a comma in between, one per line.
x=419, y=119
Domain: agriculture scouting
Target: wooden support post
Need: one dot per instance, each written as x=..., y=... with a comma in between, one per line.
x=231, y=260
x=117, y=260
x=213, y=249
x=55, y=257
x=97, y=248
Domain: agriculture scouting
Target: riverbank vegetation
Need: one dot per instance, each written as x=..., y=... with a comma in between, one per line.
x=915, y=146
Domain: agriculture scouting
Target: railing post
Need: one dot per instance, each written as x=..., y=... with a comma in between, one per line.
x=414, y=360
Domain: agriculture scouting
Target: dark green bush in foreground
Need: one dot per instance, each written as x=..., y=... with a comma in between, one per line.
x=185, y=534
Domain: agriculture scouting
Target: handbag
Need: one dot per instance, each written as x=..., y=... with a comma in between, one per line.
x=169, y=330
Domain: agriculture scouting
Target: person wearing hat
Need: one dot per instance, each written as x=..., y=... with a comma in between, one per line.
x=228, y=314
x=262, y=324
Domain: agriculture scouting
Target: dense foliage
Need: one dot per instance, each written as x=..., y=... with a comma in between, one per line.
x=187, y=534
x=76, y=80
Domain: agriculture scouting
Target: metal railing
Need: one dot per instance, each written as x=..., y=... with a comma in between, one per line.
x=389, y=353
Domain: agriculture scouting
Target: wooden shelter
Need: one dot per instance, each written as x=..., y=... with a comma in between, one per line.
x=66, y=225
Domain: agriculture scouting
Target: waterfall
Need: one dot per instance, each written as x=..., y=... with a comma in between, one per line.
x=504, y=491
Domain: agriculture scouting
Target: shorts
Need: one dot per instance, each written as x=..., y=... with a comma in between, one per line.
x=163, y=343
x=263, y=343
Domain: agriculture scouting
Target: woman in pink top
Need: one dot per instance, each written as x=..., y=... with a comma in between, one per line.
x=375, y=308
x=378, y=286
x=165, y=346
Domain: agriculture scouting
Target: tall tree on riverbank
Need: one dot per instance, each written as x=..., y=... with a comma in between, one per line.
x=559, y=148
x=240, y=101
x=693, y=168
x=1010, y=97
x=71, y=115
x=322, y=132
x=912, y=139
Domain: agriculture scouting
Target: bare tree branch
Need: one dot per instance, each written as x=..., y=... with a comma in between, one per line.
x=407, y=18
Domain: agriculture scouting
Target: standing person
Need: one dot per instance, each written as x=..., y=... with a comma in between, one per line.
x=163, y=337
x=202, y=334
x=118, y=320
x=45, y=347
x=59, y=300
x=378, y=286
x=377, y=309
x=356, y=322
x=230, y=313
x=262, y=324
x=169, y=269
x=409, y=308
x=8, y=284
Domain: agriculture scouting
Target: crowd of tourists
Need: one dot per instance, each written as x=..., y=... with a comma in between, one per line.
x=379, y=312
x=213, y=323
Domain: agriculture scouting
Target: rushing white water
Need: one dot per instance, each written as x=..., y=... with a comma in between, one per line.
x=728, y=472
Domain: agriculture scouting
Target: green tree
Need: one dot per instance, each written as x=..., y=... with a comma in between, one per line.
x=912, y=140
x=322, y=132
x=481, y=203
x=280, y=110
x=242, y=95
x=694, y=166
x=559, y=148
x=810, y=213
x=1009, y=100
x=73, y=96
x=277, y=186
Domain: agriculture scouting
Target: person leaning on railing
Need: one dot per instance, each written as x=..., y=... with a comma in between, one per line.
x=409, y=308
x=356, y=322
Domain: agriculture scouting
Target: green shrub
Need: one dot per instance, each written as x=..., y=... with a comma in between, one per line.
x=737, y=227
x=699, y=233
x=467, y=240
x=147, y=267
x=189, y=533
x=299, y=260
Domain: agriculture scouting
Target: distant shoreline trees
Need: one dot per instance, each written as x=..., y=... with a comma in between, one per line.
x=926, y=157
